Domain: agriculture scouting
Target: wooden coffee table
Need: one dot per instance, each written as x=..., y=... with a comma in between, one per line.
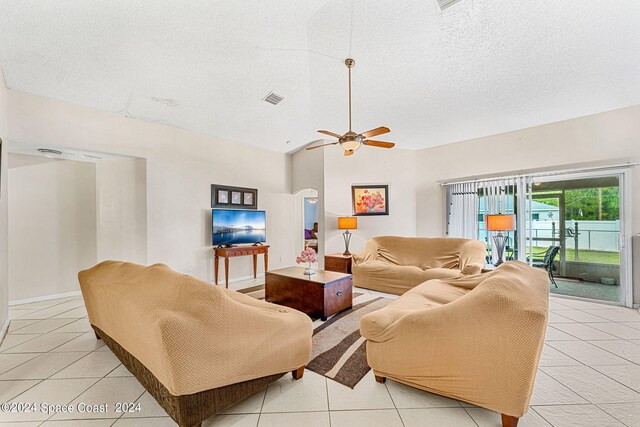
x=319, y=295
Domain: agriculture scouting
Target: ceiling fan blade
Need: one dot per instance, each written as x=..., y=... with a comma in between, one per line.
x=323, y=145
x=348, y=152
x=326, y=132
x=375, y=132
x=381, y=144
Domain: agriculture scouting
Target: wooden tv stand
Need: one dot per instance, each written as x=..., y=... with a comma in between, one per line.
x=236, y=251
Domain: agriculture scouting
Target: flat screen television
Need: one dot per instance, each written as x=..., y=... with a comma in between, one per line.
x=233, y=227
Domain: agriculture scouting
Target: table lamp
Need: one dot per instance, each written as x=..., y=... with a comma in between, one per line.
x=500, y=223
x=347, y=223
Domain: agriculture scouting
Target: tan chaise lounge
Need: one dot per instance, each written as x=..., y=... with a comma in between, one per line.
x=477, y=339
x=197, y=348
x=396, y=264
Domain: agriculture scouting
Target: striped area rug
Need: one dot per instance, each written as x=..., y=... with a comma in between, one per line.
x=339, y=351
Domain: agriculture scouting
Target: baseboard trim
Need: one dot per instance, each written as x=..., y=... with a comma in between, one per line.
x=43, y=298
x=238, y=279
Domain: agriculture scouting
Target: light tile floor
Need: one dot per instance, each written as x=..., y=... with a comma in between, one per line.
x=589, y=376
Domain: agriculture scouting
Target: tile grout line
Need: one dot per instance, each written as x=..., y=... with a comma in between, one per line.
x=74, y=398
x=47, y=332
x=15, y=307
x=592, y=368
x=473, y=419
x=264, y=398
x=326, y=388
x=50, y=317
x=394, y=403
x=24, y=342
x=583, y=364
x=611, y=415
x=540, y=415
x=614, y=338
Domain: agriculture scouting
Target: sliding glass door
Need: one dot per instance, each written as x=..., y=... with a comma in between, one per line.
x=573, y=225
x=576, y=231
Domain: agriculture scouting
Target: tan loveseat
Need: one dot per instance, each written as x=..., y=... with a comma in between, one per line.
x=396, y=264
x=197, y=348
x=477, y=339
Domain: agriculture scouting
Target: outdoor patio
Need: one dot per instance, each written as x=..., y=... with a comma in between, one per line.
x=587, y=290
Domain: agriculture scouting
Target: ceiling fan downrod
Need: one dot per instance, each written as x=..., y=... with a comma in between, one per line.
x=350, y=64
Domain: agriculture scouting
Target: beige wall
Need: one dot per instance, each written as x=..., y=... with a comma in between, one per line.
x=369, y=165
x=121, y=196
x=606, y=138
x=180, y=168
x=4, y=216
x=52, y=225
x=332, y=174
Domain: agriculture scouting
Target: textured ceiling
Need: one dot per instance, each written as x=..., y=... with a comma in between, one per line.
x=480, y=67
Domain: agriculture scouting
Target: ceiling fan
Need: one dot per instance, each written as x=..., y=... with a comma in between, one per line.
x=351, y=141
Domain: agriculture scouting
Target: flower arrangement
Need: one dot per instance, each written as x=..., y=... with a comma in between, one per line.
x=307, y=255
x=370, y=202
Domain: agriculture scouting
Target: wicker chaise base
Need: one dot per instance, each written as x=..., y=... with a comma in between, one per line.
x=189, y=410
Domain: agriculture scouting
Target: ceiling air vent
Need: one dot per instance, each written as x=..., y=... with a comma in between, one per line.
x=446, y=3
x=273, y=98
x=49, y=151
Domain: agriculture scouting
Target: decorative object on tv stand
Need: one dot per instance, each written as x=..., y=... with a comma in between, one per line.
x=347, y=223
x=500, y=223
x=224, y=196
x=307, y=255
x=370, y=199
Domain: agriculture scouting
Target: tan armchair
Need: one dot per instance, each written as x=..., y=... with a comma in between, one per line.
x=197, y=348
x=477, y=339
x=396, y=264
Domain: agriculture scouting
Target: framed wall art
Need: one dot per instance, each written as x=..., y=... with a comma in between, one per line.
x=370, y=200
x=224, y=196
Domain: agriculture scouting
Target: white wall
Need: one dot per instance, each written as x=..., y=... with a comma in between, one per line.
x=180, y=168
x=52, y=224
x=4, y=209
x=332, y=174
x=607, y=138
x=121, y=196
x=369, y=165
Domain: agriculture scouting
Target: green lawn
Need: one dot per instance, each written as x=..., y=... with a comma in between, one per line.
x=596, y=257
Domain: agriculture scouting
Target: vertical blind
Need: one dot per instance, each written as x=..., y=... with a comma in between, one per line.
x=467, y=202
x=462, y=212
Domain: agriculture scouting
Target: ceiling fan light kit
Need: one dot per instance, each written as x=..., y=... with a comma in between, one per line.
x=351, y=140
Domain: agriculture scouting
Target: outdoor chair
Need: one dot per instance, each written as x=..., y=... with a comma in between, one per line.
x=547, y=262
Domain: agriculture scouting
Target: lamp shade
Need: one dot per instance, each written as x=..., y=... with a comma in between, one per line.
x=500, y=222
x=347, y=223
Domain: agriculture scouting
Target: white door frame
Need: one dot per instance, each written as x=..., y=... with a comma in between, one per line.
x=624, y=179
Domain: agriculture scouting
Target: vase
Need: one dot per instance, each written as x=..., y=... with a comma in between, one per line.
x=308, y=271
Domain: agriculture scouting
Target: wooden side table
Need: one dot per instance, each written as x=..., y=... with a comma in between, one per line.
x=338, y=262
x=236, y=251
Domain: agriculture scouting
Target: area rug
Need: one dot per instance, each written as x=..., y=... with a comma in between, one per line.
x=339, y=352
